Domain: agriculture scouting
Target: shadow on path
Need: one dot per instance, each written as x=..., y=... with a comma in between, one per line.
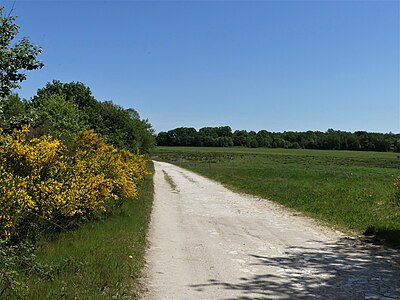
x=383, y=236
x=347, y=269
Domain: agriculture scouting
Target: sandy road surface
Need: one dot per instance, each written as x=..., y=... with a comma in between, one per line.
x=207, y=242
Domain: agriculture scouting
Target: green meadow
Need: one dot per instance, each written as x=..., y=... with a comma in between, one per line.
x=348, y=190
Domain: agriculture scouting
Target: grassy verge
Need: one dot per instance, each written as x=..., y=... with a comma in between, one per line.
x=100, y=260
x=170, y=181
x=352, y=191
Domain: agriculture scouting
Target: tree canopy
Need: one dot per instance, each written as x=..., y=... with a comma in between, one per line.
x=65, y=109
x=329, y=140
x=16, y=57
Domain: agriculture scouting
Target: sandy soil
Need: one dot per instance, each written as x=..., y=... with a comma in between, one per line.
x=207, y=242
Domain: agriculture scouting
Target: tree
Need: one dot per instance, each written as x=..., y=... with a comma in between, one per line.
x=224, y=131
x=123, y=128
x=120, y=127
x=12, y=113
x=75, y=92
x=54, y=115
x=15, y=58
x=264, y=138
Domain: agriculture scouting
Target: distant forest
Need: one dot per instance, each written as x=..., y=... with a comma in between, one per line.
x=329, y=140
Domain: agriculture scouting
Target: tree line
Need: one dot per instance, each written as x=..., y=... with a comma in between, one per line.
x=329, y=140
x=65, y=109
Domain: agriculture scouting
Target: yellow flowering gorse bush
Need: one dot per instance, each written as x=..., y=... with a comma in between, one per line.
x=40, y=180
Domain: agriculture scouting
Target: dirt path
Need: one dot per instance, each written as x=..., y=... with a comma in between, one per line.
x=207, y=242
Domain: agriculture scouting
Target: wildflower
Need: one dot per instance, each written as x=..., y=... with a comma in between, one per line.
x=40, y=177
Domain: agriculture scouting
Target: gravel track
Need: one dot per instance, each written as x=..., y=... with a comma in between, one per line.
x=207, y=242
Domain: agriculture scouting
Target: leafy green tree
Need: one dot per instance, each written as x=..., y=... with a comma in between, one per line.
x=145, y=136
x=224, y=141
x=183, y=136
x=264, y=138
x=13, y=113
x=15, y=57
x=163, y=139
x=77, y=93
x=124, y=129
x=331, y=139
x=120, y=127
x=239, y=137
x=133, y=114
x=223, y=131
x=55, y=115
x=209, y=131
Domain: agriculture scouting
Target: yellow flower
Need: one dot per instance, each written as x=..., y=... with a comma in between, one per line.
x=40, y=175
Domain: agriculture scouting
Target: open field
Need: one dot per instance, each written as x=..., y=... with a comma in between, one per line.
x=352, y=191
x=101, y=259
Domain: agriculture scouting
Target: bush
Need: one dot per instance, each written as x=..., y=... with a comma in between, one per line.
x=18, y=263
x=43, y=183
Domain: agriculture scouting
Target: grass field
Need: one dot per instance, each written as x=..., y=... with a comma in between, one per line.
x=352, y=191
x=101, y=259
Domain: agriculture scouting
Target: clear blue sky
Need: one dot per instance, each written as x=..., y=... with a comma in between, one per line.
x=275, y=65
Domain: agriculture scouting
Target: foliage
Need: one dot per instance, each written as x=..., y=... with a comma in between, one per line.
x=64, y=109
x=9, y=283
x=15, y=57
x=19, y=264
x=120, y=127
x=100, y=259
x=13, y=113
x=41, y=183
x=207, y=136
x=75, y=92
x=397, y=190
x=124, y=128
x=53, y=114
x=330, y=140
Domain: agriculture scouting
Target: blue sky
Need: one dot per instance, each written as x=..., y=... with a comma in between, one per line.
x=275, y=65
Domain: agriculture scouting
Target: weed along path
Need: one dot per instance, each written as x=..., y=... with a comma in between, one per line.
x=207, y=242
